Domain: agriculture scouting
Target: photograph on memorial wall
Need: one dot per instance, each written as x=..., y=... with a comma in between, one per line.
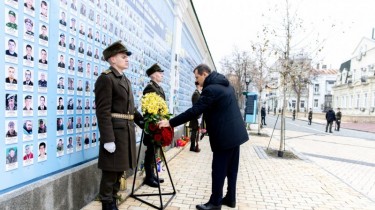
x=28, y=156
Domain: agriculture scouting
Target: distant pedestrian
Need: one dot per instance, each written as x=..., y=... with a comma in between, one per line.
x=330, y=117
x=294, y=114
x=310, y=116
x=274, y=111
x=263, y=115
x=268, y=110
x=338, y=119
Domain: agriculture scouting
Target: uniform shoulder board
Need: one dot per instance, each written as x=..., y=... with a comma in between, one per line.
x=107, y=71
x=150, y=83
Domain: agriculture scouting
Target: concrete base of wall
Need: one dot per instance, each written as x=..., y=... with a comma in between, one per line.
x=71, y=189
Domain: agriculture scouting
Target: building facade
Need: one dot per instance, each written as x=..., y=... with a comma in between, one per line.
x=354, y=90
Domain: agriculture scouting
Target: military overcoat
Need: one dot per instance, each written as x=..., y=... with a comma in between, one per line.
x=113, y=94
x=194, y=122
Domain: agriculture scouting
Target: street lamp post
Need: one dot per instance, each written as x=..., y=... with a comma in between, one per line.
x=247, y=81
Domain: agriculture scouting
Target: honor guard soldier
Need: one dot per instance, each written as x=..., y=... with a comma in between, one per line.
x=116, y=116
x=156, y=75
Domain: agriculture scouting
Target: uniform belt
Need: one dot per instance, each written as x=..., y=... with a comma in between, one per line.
x=123, y=116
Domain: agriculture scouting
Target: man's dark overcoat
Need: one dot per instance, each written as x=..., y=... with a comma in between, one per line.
x=221, y=113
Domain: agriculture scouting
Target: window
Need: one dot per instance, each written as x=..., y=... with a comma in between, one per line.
x=346, y=102
x=302, y=104
x=293, y=103
x=316, y=102
x=316, y=88
x=364, y=100
x=357, y=102
x=351, y=101
x=342, y=104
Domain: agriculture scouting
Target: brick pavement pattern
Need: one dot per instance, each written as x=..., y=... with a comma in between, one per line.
x=263, y=183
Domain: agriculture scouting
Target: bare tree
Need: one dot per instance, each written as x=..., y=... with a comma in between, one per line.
x=259, y=71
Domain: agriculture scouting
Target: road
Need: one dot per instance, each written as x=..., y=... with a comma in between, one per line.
x=348, y=154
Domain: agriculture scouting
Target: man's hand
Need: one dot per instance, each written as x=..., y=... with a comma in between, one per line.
x=163, y=123
x=110, y=147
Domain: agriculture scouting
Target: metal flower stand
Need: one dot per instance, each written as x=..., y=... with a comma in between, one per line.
x=160, y=194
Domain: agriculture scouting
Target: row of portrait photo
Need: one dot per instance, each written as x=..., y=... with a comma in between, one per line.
x=77, y=124
x=90, y=68
x=62, y=146
x=64, y=105
x=70, y=83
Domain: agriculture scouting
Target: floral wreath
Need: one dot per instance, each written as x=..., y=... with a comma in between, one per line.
x=154, y=109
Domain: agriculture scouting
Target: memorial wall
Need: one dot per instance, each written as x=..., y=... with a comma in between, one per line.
x=52, y=56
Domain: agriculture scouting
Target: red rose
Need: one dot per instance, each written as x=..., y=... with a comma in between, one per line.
x=157, y=137
x=152, y=127
x=167, y=134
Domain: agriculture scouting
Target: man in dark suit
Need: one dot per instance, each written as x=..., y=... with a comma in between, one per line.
x=28, y=78
x=60, y=106
x=227, y=131
x=79, y=123
x=42, y=103
x=330, y=117
x=194, y=124
x=29, y=51
x=156, y=75
x=117, y=150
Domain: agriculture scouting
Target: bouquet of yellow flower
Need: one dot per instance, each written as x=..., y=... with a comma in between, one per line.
x=154, y=109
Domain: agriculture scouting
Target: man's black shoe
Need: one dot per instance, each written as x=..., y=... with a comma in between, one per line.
x=161, y=180
x=208, y=206
x=192, y=149
x=108, y=206
x=226, y=202
x=331, y=132
x=151, y=182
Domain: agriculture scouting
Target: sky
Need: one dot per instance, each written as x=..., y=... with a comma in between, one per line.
x=336, y=25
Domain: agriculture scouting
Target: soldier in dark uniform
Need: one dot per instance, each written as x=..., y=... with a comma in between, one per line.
x=194, y=124
x=338, y=119
x=294, y=114
x=310, y=116
x=12, y=20
x=11, y=132
x=116, y=116
x=156, y=75
x=29, y=26
x=12, y=103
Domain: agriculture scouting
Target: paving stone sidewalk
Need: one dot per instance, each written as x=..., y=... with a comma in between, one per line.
x=263, y=182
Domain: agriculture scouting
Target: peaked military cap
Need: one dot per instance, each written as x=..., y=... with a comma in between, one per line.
x=114, y=49
x=28, y=97
x=10, y=96
x=12, y=13
x=154, y=68
x=28, y=20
